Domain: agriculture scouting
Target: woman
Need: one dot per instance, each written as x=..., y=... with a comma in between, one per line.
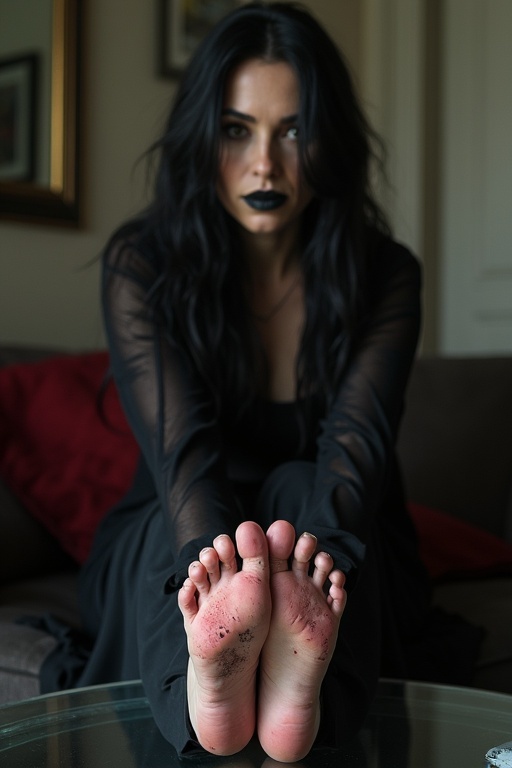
x=262, y=325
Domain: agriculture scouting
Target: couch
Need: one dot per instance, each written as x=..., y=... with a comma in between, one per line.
x=455, y=447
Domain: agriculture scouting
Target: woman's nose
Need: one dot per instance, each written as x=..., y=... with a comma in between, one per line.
x=266, y=161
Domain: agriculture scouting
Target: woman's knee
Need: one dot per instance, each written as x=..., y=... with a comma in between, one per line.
x=286, y=493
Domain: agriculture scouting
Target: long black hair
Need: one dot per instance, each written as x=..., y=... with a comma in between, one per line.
x=191, y=237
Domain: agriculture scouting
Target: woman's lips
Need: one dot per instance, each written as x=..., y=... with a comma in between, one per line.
x=265, y=201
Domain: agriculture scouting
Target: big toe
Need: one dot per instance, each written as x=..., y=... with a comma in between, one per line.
x=281, y=541
x=252, y=545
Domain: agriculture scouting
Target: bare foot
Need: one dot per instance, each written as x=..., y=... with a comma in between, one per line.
x=226, y=615
x=301, y=640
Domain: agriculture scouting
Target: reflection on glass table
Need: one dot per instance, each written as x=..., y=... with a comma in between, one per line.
x=411, y=725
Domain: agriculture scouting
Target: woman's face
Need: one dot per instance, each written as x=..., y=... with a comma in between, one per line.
x=259, y=182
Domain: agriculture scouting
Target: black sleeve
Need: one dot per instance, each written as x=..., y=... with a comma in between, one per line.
x=356, y=447
x=169, y=409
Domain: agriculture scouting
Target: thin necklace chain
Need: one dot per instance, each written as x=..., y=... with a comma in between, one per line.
x=280, y=304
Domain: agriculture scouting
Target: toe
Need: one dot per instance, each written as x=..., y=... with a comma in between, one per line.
x=252, y=547
x=210, y=560
x=323, y=567
x=281, y=540
x=251, y=540
x=337, y=599
x=337, y=578
x=225, y=553
x=304, y=551
x=198, y=574
x=187, y=599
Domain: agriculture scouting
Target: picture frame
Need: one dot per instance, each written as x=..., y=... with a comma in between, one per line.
x=183, y=24
x=18, y=118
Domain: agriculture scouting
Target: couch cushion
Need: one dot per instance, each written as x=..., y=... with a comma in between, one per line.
x=455, y=442
x=22, y=653
x=55, y=594
x=453, y=549
x=65, y=460
x=23, y=647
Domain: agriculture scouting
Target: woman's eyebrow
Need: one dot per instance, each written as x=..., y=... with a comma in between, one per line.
x=250, y=119
x=238, y=115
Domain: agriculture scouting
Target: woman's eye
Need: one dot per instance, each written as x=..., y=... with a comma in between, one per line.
x=235, y=131
x=292, y=133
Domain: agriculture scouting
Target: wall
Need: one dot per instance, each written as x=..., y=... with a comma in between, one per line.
x=49, y=293
x=48, y=276
x=434, y=75
x=476, y=181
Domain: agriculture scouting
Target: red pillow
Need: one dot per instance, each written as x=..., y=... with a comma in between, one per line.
x=65, y=462
x=452, y=548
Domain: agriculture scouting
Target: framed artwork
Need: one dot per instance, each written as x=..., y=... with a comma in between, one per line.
x=17, y=118
x=183, y=24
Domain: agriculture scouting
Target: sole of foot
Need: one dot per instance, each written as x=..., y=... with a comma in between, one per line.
x=301, y=640
x=226, y=614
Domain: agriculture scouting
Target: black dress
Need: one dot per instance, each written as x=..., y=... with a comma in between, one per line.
x=200, y=476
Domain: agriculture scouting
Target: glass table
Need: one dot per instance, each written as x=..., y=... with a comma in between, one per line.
x=410, y=725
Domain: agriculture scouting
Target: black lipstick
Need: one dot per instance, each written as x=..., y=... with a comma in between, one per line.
x=265, y=201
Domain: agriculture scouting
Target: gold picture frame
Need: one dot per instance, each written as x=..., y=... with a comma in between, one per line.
x=54, y=199
x=183, y=24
